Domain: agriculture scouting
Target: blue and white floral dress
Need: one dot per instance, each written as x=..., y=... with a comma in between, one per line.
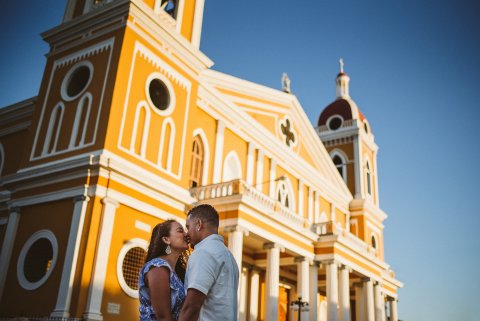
x=177, y=291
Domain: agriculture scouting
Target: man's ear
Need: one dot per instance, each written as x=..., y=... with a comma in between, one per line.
x=200, y=225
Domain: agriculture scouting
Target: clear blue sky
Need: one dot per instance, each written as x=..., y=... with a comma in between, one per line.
x=414, y=69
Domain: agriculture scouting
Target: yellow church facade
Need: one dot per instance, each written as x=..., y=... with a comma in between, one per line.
x=131, y=127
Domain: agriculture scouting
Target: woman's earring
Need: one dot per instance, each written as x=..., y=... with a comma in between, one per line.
x=168, y=250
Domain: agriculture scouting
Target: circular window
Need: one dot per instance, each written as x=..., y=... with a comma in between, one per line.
x=77, y=80
x=129, y=264
x=335, y=123
x=37, y=259
x=160, y=94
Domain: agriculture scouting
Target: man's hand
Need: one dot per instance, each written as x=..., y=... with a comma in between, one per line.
x=192, y=305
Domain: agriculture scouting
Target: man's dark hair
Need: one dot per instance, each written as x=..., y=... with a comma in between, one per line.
x=205, y=212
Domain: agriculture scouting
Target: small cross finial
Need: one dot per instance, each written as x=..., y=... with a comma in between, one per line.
x=341, y=64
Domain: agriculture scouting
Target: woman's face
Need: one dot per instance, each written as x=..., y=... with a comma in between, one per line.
x=178, y=237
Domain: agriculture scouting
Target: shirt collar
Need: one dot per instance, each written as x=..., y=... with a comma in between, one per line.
x=213, y=237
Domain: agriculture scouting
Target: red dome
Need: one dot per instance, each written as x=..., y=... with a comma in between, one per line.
x=346, y=108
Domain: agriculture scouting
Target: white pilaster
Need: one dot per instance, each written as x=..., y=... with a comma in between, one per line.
x=95, y=294
x=332, y=291
x=259, y=178
x=344, y=295
x=393, y=310
x=313, y=292
x=358, y=167
x=303, y=269
x=62, y=308
x=254, y=290
x=217, y=162
x=7, y=246
x=300, y=198
x=250, y=163
x=360, y=302
x=272, y=281
x=316, y=207
x=273, y=173
x=369, y=306
x=379, y=306
x=310, y=204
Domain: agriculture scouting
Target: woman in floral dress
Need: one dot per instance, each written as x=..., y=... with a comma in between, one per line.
x=160, y=284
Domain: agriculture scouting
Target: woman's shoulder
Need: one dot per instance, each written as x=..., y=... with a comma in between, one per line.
x=156, y=262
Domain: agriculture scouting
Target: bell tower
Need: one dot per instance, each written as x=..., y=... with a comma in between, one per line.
x=186, y=16
x=348, y=138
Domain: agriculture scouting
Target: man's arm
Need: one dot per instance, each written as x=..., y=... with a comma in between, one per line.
x=193, y=304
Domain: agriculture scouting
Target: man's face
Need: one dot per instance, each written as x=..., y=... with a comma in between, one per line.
x=192, y=226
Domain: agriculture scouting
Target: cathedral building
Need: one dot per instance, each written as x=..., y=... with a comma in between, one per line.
x=131, y=127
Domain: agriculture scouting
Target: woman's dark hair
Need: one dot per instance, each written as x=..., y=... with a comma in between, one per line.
x=157, y=247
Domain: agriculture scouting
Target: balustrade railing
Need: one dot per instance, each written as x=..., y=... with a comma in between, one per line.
x=238, y=187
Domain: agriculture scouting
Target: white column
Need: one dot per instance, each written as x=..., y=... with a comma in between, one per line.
x=379, y=306
x=62, y=308
x=360, y=302
x=242, y=298
x=313, y=291
x=393, y=310
x=259, y=178
x=217, y=161
x=332, y=291
x=95, y=294
x=369, y=306
x=7, y=245
x=254, y=290
x=250, y=163
x=272, y=281
x=303, y=269
x=235, y=242
x=344, y=295
x=273, y=173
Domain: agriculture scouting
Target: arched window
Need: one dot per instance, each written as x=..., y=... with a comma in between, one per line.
x=369, y=178
x=340, y=161
x=284, y=194
x=141, y=124
x=53, y=131
x=232, y=169
x=82, y=115
x=196, y=169
x=167, y=144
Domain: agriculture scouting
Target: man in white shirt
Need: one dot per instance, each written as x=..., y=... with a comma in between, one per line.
x=211, y=279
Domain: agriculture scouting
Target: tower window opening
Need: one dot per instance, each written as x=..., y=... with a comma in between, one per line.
x=170, y=7
x=374, y=242
x=365, y=127
x=339, y=164
x=335, y=123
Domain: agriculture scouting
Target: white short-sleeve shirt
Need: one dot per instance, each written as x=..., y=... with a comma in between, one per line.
x=212, y=270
